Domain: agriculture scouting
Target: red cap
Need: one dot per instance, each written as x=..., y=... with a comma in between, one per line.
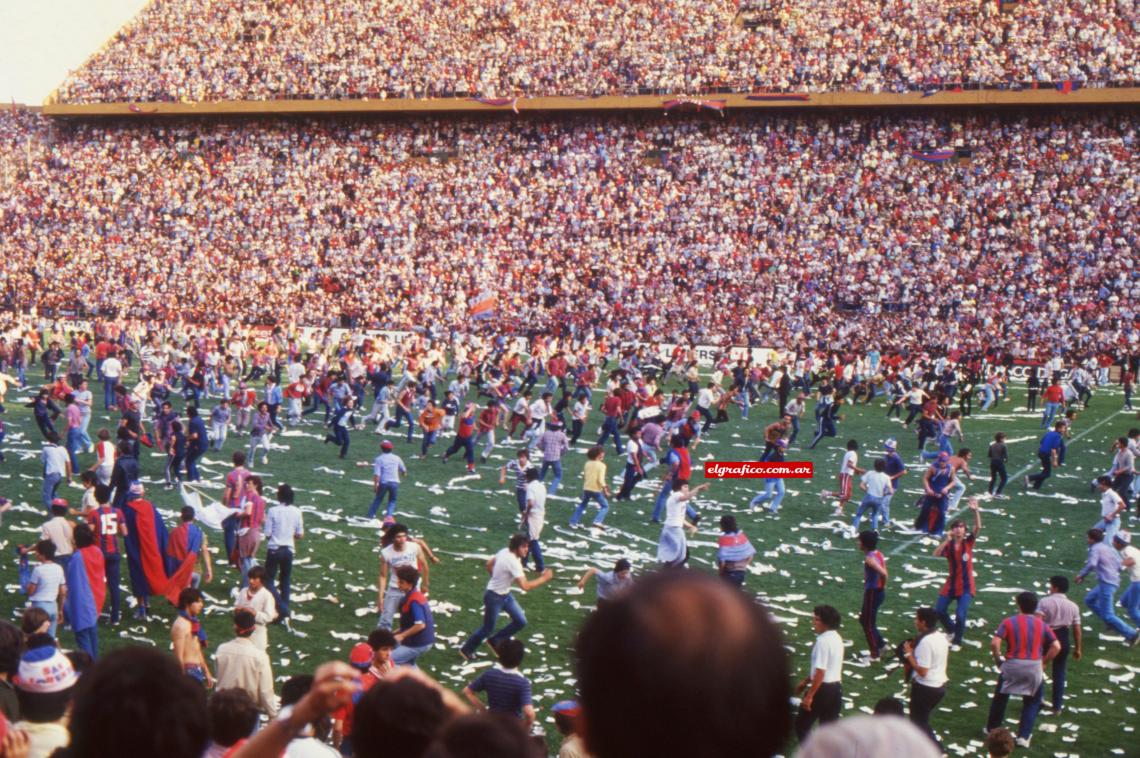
x=361, y=655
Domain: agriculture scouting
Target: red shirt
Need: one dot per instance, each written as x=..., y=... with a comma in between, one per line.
x=1053, y=394
x=612, y=406
x=488, y=419
x=684, y=465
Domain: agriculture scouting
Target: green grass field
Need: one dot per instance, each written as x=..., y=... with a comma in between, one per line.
x=804, y=558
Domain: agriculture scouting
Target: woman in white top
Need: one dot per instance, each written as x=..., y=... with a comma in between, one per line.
x=672, y=549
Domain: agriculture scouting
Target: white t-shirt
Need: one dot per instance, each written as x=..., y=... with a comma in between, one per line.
x=1133, y=552
x=675, y=510
x=506, y=569
x=581, y=410
x=704, y=398
x=409, y=556
x=827, y=654
x=112, y=368
x=632, y=450
x=932, y=653
x=878, y=483
x=48, y=578
x=538, y=410
x=850, y=459
x=1109, y=502
x=536, y=497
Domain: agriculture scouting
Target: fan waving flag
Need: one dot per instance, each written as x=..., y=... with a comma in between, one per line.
x=777, y=97
x=499, y=102
x=713, y=105
x=151, y=573
x=86, y=588
x=483, y=306
x=936, y=156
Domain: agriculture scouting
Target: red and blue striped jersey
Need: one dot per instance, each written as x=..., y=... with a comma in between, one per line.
x=105, y=522
x=960, y=556
x=1026, y=637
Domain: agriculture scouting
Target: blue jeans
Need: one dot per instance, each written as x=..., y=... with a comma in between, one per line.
x=958, y=626
x=875, y=505
x=51, y=608
x=391, y=489
x=51, y=484
x=74, y=445
x=406, y=655
x=1047, y=415
x=1110, y=528
x=536, y=551
x=944, y=446
x=1130, y=602
x=112, y=563
x=885, y=507
x=87, y=640
x=192, y=457
x=1030, y=707
x=1060, y=665
x=603, y=508
x=109, y=393
x=493, y=605
x=279, y=558
x=429, y=440
x=659, y=503
x=774, y=491
x=610, y=427
x=1099, y=600
x=795, y=430
x=556, y=467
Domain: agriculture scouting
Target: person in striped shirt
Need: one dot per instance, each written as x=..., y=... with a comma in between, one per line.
x=508, y=690
x=109, y=524
x=874, y=590
x=958, y=549
x=1028, y=644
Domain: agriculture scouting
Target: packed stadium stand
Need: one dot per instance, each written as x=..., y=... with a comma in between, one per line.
x=943, y=227
x=337, y=49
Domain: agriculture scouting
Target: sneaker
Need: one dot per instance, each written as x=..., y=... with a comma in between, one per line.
x=1134, y=641
x=265, y=460
x=1022, y=741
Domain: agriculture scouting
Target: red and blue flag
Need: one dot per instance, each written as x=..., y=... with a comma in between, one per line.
x=152, y=572
x=86, y=588
x=483, y=306
x=935, y=156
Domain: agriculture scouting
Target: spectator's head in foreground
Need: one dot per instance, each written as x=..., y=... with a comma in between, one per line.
x=636, y=673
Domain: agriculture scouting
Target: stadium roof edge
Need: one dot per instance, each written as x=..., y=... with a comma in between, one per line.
x=1046, y=97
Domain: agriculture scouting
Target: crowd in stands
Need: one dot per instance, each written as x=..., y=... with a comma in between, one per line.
x=816, y=230
x=206, y=50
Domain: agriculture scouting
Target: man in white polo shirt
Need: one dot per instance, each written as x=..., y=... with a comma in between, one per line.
x=928, y=658
x=823, y=699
